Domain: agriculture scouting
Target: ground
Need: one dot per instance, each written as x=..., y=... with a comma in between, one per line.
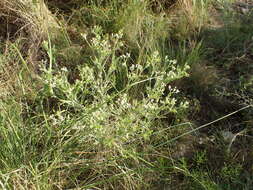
x=126, y=94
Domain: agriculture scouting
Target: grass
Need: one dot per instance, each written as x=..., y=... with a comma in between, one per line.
x=128, y=95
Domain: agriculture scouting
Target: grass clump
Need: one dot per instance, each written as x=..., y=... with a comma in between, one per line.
x=135, y=94
x=100, y=108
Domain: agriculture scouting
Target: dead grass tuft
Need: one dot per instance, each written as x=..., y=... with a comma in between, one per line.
x=30, y=22
x=30, y=19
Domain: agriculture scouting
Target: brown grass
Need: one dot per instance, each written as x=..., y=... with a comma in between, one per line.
x=26, y=24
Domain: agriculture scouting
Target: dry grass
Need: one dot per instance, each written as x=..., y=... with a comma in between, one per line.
x=190, y=17
x=25, y=24
x=122, y=110
x=30, y=20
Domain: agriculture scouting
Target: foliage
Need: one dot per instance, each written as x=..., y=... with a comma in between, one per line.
x=129, y=94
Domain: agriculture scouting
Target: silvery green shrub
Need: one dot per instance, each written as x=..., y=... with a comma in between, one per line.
x=101, y=102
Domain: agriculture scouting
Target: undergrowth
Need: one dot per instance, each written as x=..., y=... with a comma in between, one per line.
x=136, y=94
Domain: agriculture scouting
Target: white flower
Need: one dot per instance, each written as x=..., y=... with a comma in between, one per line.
x=64, y=69
x=84, y=36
